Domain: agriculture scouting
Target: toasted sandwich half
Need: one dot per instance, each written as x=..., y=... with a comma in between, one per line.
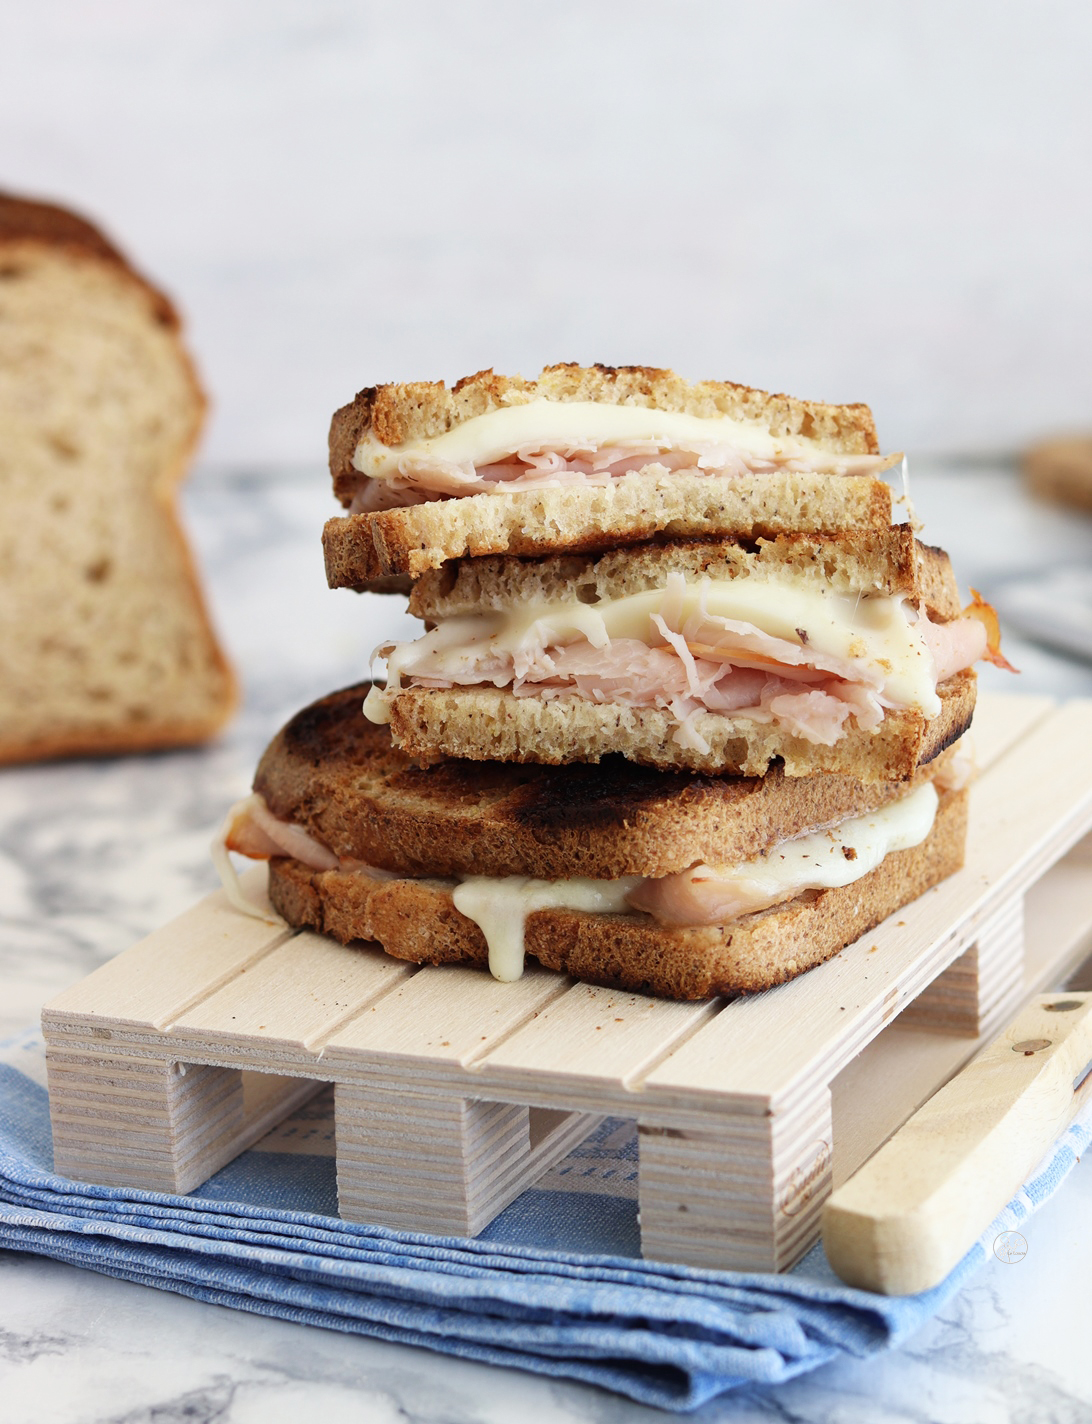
x=675, y=884
x=845, y=653
x=586, y=458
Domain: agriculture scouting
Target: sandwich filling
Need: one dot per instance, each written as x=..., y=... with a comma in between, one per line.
x=703, y=895
x=546, y=444
x=772, y=650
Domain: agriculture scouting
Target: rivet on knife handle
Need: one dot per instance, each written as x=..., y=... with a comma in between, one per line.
x=910, y=1214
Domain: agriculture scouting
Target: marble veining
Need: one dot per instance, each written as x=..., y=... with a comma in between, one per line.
x=94, y=855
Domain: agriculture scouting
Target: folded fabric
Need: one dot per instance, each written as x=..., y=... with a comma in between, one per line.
x=669, y=1336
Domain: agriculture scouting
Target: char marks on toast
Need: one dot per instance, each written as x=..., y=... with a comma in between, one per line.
x=341, y=778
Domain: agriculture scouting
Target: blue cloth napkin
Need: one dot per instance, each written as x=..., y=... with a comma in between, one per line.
x=555, y=1285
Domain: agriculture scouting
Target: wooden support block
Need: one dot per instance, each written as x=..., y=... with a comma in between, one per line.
x=141, y=1121
x=976, y=993
x=441, y=1164
x=738, y=1193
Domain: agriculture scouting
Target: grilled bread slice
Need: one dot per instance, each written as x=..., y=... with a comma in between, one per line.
x=105, y=645
x=363, y=548
x=417, y=920
x=491, y=724
x=341, y=778
x=337, y=777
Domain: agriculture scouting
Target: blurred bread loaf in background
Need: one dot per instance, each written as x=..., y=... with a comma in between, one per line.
x=1061, y=470
x=105, y=645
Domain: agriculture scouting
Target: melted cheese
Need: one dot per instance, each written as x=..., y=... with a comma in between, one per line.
x=500, y=906
x=817, y=861
x=873, y=630
x=582, y=425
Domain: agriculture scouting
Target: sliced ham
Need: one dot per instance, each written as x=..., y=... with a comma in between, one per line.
x=955, y=645
x=422, y=478
x=253, y=830
x=688, y=663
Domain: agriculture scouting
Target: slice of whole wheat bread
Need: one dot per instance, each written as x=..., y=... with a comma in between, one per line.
x=340, y=777
x=366, y=547
x=362, y=550
x=885, y=562
x=105, y=644
x=492, y=724
x=417, y=921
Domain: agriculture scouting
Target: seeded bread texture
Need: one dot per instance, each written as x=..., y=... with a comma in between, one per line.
x=104, y=641
x=362, y=549
x=339, y=776
x=416, y=920
x=492, y=724
x=888, y=561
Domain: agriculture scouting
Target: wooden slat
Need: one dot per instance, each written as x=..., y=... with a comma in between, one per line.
x=601, y=1038
x=156, y=980
x=1026, y=809
x=445, y=1016
x=294, y=997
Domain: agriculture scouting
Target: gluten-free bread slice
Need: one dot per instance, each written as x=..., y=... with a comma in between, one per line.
x=105, y=645
x=363, y=548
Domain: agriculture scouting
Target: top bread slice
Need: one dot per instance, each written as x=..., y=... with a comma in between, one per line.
x=340, y=777
x=364, y=548
x=105, y=644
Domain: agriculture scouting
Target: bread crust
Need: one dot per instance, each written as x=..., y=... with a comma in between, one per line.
x=416, y=920
x=888, y=562
x=27, y=230
x=341, y=778
x=492, y=724
x=362, y=549
x=27, y=223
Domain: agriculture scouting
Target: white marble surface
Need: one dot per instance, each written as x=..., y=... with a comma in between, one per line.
x=94, y=854
x=843, y=200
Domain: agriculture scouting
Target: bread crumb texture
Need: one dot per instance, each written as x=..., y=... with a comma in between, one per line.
x=104, y=640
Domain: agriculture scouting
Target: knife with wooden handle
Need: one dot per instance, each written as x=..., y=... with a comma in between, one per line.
x=902, y=1222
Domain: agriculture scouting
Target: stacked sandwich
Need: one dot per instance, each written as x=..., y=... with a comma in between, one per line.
x=684, y=714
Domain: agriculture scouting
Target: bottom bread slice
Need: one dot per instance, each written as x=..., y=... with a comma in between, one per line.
x=416, y=920
x=493, y=724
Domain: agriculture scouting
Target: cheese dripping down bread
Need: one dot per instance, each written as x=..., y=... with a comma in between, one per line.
x=810, y=638
x=366, y=846
x=585, y=458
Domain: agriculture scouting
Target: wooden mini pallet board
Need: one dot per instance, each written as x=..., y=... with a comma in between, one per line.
x=454, y=1092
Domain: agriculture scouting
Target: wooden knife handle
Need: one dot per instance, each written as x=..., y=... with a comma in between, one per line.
x=915, y=1208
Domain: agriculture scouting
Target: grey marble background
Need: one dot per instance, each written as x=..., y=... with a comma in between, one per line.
x=95, y=854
